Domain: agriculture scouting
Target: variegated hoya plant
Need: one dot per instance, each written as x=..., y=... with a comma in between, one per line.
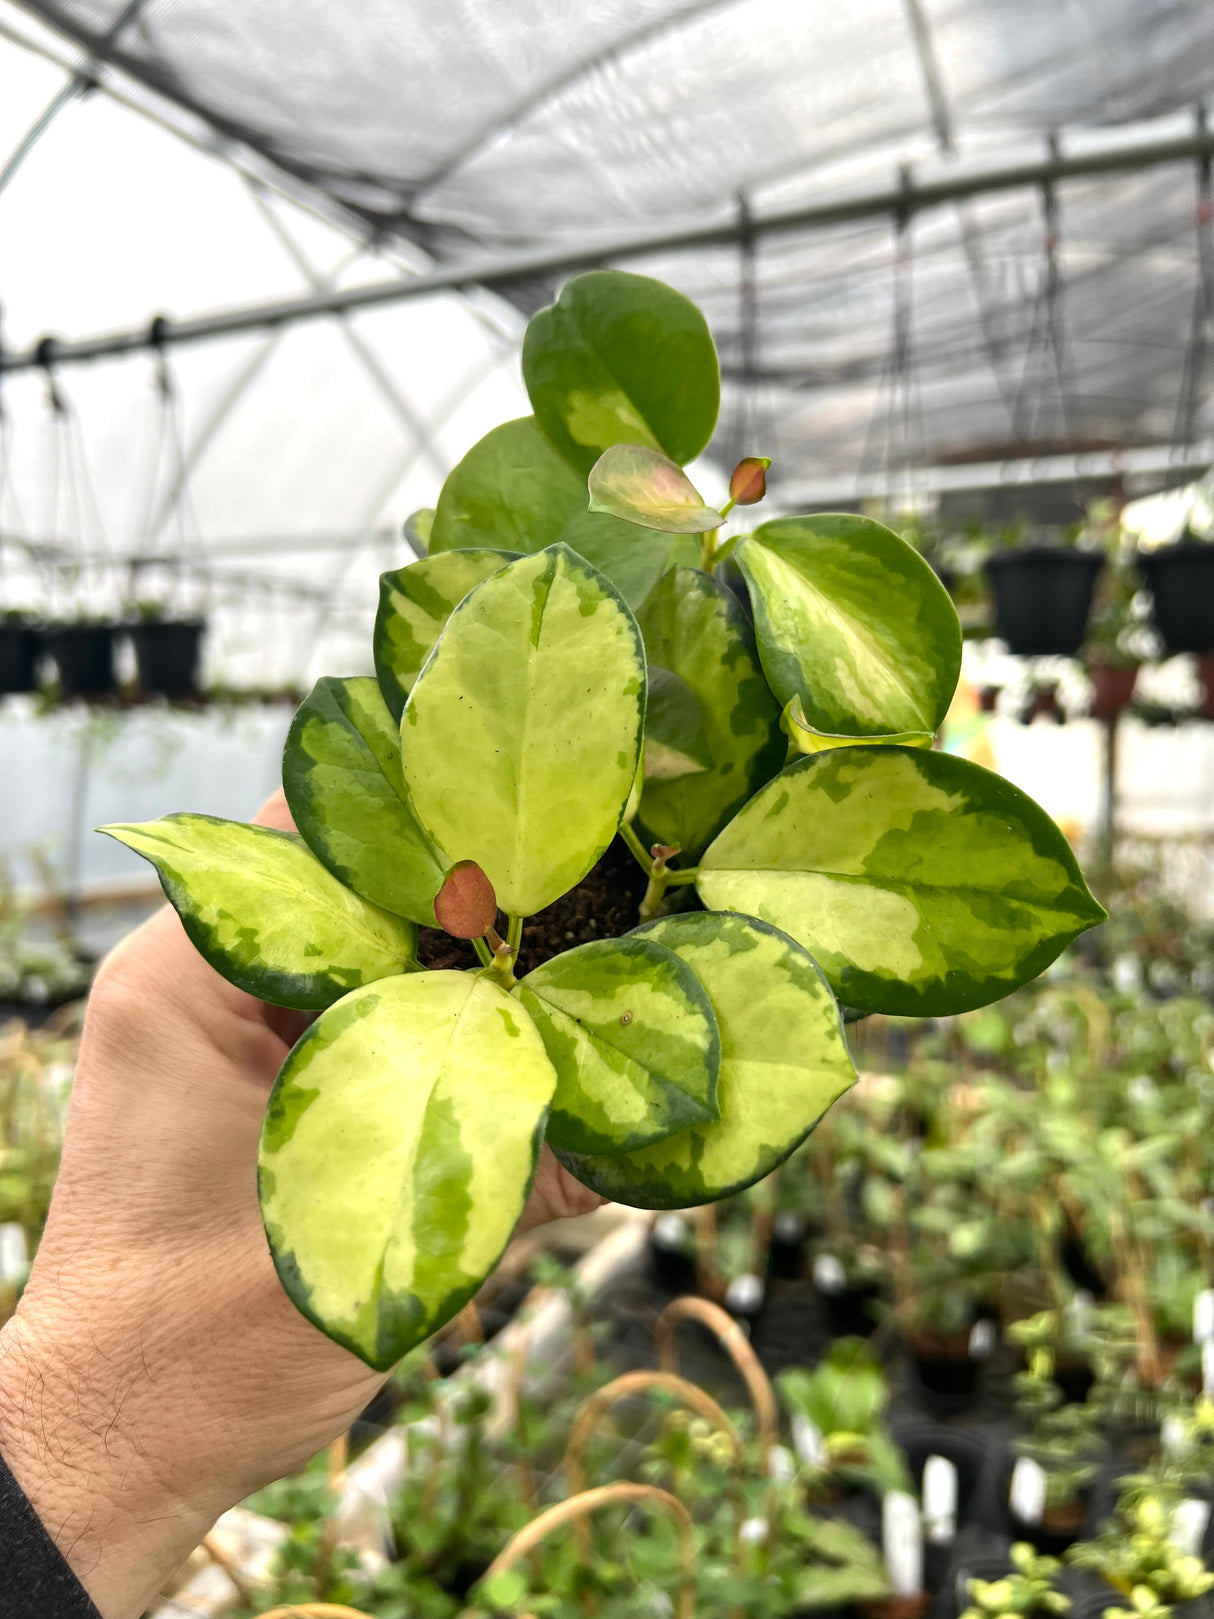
x=562, y=666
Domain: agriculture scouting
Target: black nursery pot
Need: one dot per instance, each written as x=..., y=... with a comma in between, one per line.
x=84, y=656
x=20, y=644
x=167, y=656
x=1181, y=581
x=1043, y=595
x=851, y=1311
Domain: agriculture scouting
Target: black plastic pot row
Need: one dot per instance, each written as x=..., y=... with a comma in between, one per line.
x=167, y=656
x=1043, y=596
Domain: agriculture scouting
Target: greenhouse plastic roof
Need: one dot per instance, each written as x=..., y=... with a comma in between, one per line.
x=458, y=124
x=399, y=134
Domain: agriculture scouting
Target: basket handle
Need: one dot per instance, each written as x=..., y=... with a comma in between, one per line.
x=592, y=1411
x=736, y=1345
x=315, y=1610
x=579, y=1507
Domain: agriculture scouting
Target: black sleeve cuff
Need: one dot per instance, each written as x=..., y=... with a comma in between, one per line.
x=35, y=1581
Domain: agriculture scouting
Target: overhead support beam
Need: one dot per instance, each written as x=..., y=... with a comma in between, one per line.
x=1126, y=154
x=1023, y=473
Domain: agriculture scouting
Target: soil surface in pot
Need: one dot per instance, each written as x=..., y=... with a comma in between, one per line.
x=603, y=906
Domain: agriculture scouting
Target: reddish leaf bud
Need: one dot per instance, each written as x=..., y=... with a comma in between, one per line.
x=466, y=906
x=749, y=481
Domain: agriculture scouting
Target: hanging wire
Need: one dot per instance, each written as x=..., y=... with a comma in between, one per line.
x=1046, y=355
x=74, y=538
x=895, y=440
x=1188, y=405
x=165, y=469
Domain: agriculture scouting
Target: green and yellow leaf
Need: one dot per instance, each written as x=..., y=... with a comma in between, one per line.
x=398, y=1148
x=260, y=907
x=521, y=736
x=341, y=772
x=622, y=359
x=633, y=1038
x=807, y=740
x=514, y=490
x=851, y=619
x=921, y=884
x=676, y=743
x=417, y=529
x=414, y=604
x=784, y=1060
x=646, y=487
x=697, y=630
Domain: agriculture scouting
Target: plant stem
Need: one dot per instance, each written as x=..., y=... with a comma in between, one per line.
x=686, y=874
x=660, y=879
x=514, y=935
x=637, y=847
x=483, y=952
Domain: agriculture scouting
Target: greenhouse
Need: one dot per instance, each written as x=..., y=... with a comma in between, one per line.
x=607, y=834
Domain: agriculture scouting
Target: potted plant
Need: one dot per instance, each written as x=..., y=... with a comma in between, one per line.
x=20, y=646
x=1028, y=1590
x=1043, y=594
x=168, y=651
x=1113, y=650
x=1180, y=578
x=839, y=1428
x=82, y=651
x=1060, y=1441
x=561, y=667
x=1137, y=1552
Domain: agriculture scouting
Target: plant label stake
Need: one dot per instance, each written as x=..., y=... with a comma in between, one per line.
x=939, y=1500
x=902, y=1542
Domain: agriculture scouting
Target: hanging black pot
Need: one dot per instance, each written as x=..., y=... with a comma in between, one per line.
x=1181, y=581
x=1043, y=595
x=20, y=645
x=167, y=655
x=83, y=654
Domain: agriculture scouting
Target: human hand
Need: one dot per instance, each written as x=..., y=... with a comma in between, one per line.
x=156, y=1373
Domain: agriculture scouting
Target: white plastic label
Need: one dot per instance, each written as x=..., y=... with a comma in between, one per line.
x=939, y=1500
x=1172, y=1433
x=14, y=1252
x=806, y=1440
x=1078, y=1313
x=1203, y=1315
x=788, y=1226
x=1189, y=1527
x=753, y=1531
x=1026, y=1497
x=902, y=1542
x=982, y=1339
x=781, y=1465
x=670, y=1231
x=1207, y=1366
x=829, y=1275
x=744, y=1295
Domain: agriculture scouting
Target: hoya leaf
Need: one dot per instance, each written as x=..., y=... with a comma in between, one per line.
x=852, y=620
x=806, y=739
x=697, y=630
x=522, y=733
x=260, y=907
x=634, y=1042
x=513, y=489
x=675, y=741
x=646, y=487
x=397, y=1151
x=784, y=1060
x=466, y=906
x=622, y=359
x=921, y=883
x=341, y=772
x=417, y=529
x=414, y=604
